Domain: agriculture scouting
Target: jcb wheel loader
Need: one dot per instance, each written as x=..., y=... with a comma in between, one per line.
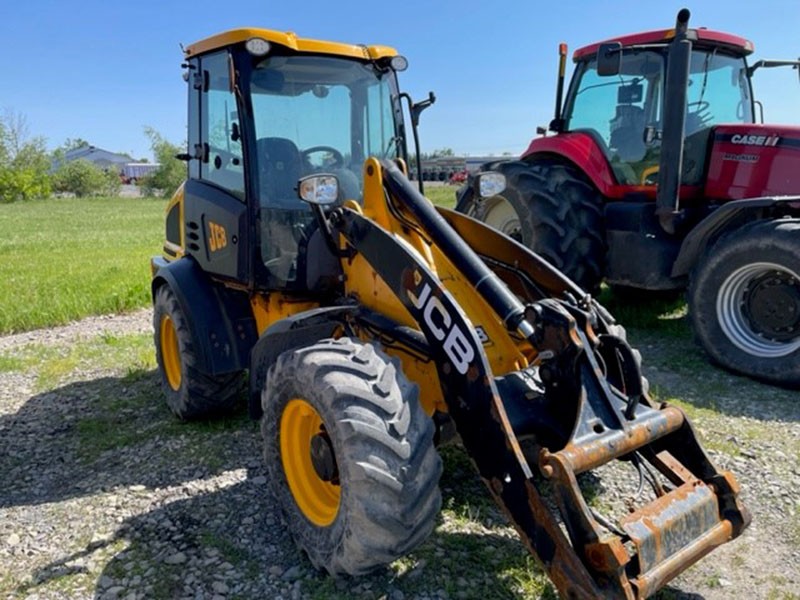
x=375, y=326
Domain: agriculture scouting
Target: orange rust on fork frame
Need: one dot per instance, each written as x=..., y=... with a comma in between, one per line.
x=648, y=583
x=584, y=457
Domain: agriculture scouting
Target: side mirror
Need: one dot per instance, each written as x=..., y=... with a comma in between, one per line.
x=609, y=59
x=418, y=107
x=320, y=188
x=490, y=183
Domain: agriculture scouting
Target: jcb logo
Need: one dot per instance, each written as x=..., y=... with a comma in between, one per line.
x=216, y=237
x=456, y=343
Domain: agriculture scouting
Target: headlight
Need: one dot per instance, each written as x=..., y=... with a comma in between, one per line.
x=490, y=184
x=399, y=63
x=257, y=46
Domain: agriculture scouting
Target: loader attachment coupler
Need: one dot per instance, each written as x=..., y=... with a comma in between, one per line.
x=682, y=524
x=578, y=406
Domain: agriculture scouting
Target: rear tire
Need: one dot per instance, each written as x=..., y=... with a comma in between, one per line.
x=744, y=301
x=559, y=215
x=382, y=443
x=190, y=394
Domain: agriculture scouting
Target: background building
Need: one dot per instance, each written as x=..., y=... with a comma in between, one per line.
x=443, y=168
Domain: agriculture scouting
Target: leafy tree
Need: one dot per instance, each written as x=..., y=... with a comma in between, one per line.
x=24, y=164
x=170, y=173
x=84, y=178
x=74, y=144
x=441, y=152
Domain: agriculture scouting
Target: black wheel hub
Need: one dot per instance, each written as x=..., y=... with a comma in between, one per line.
x=322, y=457
x=515, y=234
x=772, y=306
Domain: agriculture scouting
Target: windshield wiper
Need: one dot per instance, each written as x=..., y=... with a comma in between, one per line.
x=709, y=58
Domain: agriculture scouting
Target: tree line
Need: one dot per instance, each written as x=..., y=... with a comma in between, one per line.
x=28, y=171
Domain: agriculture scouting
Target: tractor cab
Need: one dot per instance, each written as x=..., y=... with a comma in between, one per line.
x=265, y=109
x=622, y=107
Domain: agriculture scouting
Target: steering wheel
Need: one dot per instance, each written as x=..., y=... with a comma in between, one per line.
x=701, y=112
x=337, y=156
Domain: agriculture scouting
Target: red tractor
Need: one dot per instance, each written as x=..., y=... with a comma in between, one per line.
x=656, y=175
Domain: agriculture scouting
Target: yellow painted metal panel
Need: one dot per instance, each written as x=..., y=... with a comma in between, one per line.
x=290, y=40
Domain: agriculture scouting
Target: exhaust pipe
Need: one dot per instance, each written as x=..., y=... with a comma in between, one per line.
x=670, y=164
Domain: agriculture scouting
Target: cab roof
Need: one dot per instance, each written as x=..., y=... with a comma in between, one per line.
x=290, y=40
x=706, y=37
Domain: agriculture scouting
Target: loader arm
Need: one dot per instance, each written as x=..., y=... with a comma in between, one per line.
x=579, y=404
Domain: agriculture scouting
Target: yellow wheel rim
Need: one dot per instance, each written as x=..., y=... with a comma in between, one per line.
x=170, y=355
x=317, y=499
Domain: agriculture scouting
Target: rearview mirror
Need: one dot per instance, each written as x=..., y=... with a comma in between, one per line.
x=609, y=59
x=320, y=188
x=490, y=184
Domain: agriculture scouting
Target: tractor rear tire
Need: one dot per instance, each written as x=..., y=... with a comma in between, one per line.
x=371, y=495
x=190, y=394
x=551, y=208
x=744, y=301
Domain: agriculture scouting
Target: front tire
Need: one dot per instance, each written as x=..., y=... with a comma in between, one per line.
x=190, y=394
x=551, y=208
x=356, y=474
x=744, y=301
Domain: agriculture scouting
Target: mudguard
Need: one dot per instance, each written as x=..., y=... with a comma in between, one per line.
x=727, y=217
x=220, y=319
x=301, y=329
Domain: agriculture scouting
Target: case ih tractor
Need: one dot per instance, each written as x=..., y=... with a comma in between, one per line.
x=374, y=327
x=657, y=176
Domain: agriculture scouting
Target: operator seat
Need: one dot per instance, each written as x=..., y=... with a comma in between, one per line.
x=279, y=164
x=627, y=133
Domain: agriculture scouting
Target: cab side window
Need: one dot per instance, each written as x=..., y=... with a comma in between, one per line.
x=220, y=128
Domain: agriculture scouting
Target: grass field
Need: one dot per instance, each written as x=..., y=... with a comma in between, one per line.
x=63, y=259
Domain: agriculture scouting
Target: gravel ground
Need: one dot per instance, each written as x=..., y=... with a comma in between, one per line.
x=103, y=494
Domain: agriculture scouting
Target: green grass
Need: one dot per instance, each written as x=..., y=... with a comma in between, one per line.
x=443, y=195
x=62, y=259
x=661, y=312
x=53, y=363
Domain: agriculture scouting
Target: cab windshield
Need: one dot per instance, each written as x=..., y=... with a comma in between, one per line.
x=617, y=109
x=314, y=114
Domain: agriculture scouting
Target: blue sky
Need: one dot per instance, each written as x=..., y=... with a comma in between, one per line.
x=104, y=70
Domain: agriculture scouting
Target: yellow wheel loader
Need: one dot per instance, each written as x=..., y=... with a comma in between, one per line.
x=375, y=327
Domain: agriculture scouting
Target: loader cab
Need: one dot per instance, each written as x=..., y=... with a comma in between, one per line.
x=623, y=111
x=266, y=109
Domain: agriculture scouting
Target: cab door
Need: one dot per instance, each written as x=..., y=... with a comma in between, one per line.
x=216, y=213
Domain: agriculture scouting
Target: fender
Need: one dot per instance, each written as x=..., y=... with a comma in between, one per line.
x=298, y=330
x=219, y=318
x=727, y=217
x=584, y=150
